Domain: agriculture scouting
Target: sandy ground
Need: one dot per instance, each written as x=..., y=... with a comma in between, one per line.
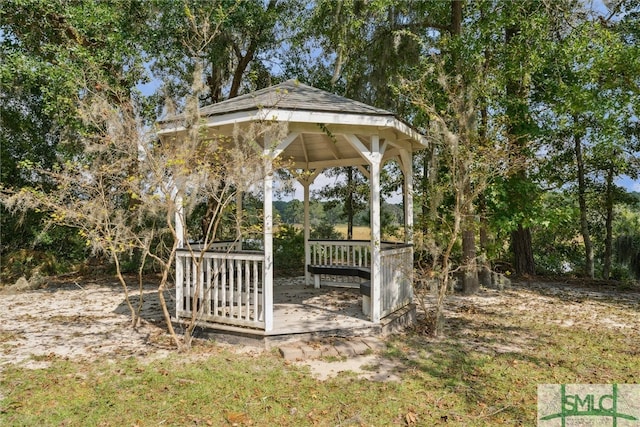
x=78, y=320
x=87, y=320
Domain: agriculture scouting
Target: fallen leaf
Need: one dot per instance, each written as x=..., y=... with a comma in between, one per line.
x=411, y=418
x=238, y=418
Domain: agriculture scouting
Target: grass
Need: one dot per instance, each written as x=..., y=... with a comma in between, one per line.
x=359, y=233
x=444, y=381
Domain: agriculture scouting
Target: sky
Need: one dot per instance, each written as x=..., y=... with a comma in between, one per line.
x=629, y=184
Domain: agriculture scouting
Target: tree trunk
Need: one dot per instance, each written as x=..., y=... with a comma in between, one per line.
x=484, y=274
x=456, y=17
x=582, y=202
x=517, y=112
x=245, y=60
x=608, y=241
x=241, y=67
x=485, y=266
x=470, y=282
x=522, y=251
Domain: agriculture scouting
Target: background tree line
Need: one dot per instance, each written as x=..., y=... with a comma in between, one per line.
x=532, y=108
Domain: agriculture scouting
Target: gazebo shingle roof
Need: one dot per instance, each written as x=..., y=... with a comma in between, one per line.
x=307, y=109
x=293, y=95
x=290, y=95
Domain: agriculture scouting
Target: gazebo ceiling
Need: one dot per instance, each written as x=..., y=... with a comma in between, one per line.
x=322, y=124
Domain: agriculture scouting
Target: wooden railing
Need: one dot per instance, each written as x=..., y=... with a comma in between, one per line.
x=396, y=267
x=221, y=287
x=397, y=278
x=356, y=253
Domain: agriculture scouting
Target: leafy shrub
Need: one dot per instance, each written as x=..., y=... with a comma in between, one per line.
x=324, y=230
x=288, y=250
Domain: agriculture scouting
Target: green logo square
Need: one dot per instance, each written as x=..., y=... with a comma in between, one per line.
x=566, y=405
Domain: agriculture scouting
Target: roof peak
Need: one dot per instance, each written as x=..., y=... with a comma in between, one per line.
x=293, y=95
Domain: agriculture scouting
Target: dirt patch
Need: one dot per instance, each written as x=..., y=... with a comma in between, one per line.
x=89, y=320
x=77, y=321
x=592, y=308
x=372, y=367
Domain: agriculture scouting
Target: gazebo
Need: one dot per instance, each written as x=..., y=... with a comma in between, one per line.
x=324, y=130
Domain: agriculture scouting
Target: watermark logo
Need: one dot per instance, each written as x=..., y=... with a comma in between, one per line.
x=573, y=405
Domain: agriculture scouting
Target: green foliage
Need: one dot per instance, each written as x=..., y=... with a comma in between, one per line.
x=627, y=243
x=53, y=55
x=288, y=250
x=540, y=74
x=26, y=245
x=291, y=212
x=325, y=230
x=236, y=41
x=391, y=219
x=554, y=236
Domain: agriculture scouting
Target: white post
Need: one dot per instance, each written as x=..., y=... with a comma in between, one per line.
x=179, y=220
x=306, y=180
x=179, y=227
x=268, y=241
x=269, y=154
x=376, y=270
x=307, y=232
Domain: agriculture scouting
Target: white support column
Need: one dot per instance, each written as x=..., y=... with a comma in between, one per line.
x=375, y=158
x=306, y=180
x=307, y=232
x=407, y=171
x=179, y=227
x=179, y=219
x=269, y=155
x=268, y=242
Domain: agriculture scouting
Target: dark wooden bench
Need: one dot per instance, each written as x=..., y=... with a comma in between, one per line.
x=340, y=270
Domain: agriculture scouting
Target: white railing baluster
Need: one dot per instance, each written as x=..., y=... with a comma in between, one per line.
x=216, y=286
x=207, y=285
x=256, y=315
x=238, y=308
x=229, y=284
x=188, y=281
x=232, y=282
x=179, y=283
x=247, y=289
x=200, y=285
x=223, y=287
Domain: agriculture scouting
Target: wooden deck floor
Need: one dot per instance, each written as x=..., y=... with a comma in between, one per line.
x=304, y=309
x=301, y=311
